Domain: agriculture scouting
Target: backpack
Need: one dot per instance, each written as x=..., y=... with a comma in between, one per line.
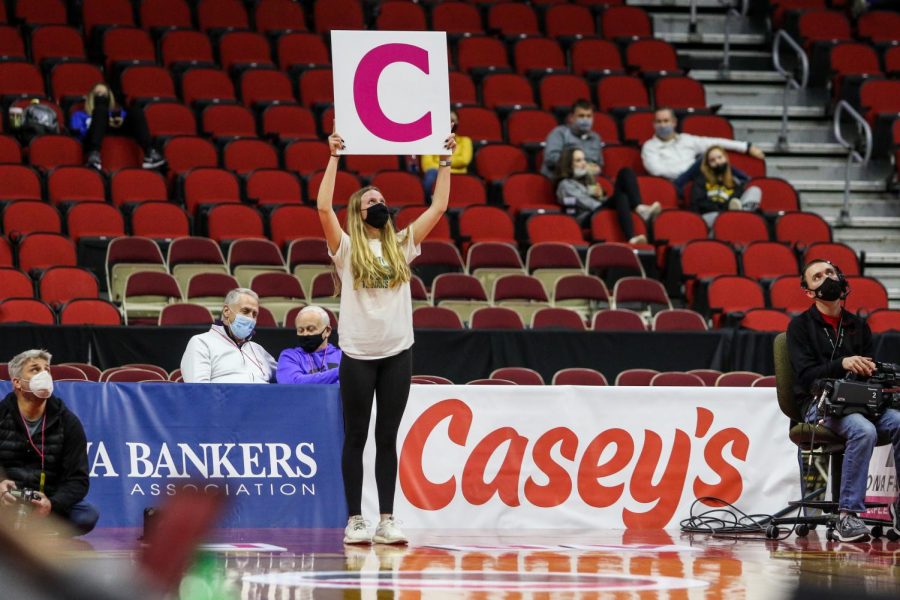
x=39, y=119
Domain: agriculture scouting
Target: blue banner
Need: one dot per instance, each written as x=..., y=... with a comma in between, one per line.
x=274, y=451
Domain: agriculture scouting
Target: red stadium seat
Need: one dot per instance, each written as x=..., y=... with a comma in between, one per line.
x=841, y=255
x=184, y=313
x=45, y=250
x=678, y=319
x=569, y=21
x=279, y=16
x=740, y=228
x=676, y=379
x=538, y=56
x=518, y=375
x=206, y=85
x=28, y=216
x=622, y=93
x=165, y=14
x=579, y=376
x=55, y=43
x=272, y=186
x=170, y=118
x=213, y=15
x=481, y=54
x=527, y=191
x=94, y=219
x=786, y=295
x=800, y=229
x=58, y=285
x=105, y=13
x=15, y=284
x=884, y=320
x=707, y=125
x=75, y=184
x=554, y=228
x=594, y=58
x=496, y=317
x=234, y=221
x=298, y=52
x=183, y=47
x=737, y=379
x=480, y=124
x=652, y=57
x=243, y=49
x=512, y=19
x=288, y=122
x=703, y=260
x=507, y=91
x=733, y=294
x=210, y=186
x=289, y=223
x=184, y=153
x=558, y=92
x=680, y=93
x=45, y=12
x=261, y=87
x=160, y=220
x=635, y=377
x=26, y=310
x=768, y=260
x=133, y=186
x=557, y=318
x=18, y=182
x=879, y=26
x=401, y=16
x=54, y=150
x=608, y=259
x=496, y=162
x=338, y=14
x=765, y=319
x=486, y=224
x=316, y=88
x=436, y=317
x=867, y=295
x=145, y=82
x=617, y=320
x=127, y=45
x=244, y=156
x=227, y=121
x=626, y=22
x=89, y=312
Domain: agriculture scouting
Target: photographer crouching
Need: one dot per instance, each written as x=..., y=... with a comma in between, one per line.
x=827, y=342
x=43, y=449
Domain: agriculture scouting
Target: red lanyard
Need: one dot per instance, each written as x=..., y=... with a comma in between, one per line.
x=31, y=441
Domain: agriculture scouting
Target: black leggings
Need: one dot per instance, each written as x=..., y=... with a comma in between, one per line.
x=625, y=197
x=388, y=379
x=133, y=125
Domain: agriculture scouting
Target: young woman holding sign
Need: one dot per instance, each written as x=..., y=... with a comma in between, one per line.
x=372, y=261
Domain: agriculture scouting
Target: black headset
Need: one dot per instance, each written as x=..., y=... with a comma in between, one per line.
x=845, y=285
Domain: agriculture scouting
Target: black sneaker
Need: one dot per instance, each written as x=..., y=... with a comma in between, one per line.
x=851, y=529
x=153, y=160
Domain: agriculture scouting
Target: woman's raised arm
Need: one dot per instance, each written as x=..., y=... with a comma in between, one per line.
x=327, y=217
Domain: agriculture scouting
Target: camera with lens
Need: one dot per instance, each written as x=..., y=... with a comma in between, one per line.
x=23, y=505
x=839, y=397
x=24, y=496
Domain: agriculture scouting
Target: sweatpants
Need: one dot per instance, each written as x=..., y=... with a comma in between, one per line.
x=388, y=379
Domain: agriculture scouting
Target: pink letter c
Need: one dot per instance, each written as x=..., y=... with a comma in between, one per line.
x=365, y=86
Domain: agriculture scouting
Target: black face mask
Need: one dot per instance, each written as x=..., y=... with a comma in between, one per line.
x=377, y=216
x=720, y=169
x=831, y=289
x=310, y=343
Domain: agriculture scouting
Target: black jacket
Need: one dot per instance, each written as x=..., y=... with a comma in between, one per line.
x=65, y=458
x=811, y=344
x=716, y=197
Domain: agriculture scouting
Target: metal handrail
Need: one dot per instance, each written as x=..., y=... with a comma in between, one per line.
x=790, y=82
x=853, y=155
x=725, y=67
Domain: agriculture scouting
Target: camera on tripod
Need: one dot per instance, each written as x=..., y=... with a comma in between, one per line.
x=872, y=397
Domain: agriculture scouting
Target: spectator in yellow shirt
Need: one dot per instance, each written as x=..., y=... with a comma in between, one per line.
x=459, y=162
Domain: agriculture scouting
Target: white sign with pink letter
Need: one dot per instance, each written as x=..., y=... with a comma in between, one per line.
x=391, y=91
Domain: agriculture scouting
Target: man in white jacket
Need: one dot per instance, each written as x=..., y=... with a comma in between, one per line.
x=225, y=354
x=677, y=156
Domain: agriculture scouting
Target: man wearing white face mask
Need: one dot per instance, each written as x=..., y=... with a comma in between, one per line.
x=42, y=446
x=225, y=354
x=576, y=133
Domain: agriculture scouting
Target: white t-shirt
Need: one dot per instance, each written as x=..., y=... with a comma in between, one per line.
x=375, y=322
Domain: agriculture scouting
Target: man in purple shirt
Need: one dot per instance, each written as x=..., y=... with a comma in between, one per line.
x=314, y=360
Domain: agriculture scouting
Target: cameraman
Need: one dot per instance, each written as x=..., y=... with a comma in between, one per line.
x=826, y=341
x=43, y=446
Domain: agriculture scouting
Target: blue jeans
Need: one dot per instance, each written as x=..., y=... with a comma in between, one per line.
x=860, y=434
x=83, y=517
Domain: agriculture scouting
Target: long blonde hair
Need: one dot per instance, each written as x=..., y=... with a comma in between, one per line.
x=368, y=271
x=89, y=101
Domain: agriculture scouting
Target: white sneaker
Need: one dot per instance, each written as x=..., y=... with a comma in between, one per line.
x=357, y=531
x=638, y=239
x=735, y=204
x=388, y=533
x=648, y=211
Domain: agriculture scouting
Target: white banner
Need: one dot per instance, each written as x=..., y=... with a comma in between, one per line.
x=391, y=91
x=882, y=485
x=535, y=457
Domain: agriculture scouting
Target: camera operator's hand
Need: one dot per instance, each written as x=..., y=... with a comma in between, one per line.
x=41, y=505
x=861, y=365
x=5, y=497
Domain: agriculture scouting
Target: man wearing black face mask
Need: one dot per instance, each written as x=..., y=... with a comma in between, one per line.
x=314, y=360
x=826, y=341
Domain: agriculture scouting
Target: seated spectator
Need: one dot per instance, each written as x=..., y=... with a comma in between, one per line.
x=577, y=187
x=576, y=133
x=459, y=161
x=718, y=188
x=225, y=354
x=101, y=113
x=314, y=360
x=42, y=447
x=676, y=156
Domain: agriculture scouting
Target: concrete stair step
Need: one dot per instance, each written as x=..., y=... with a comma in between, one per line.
x=735, y=75
x=884, y=258
x=869, y=239
x=675, y=28
x=765, y=100
x=861, y=204
x=827, y=173
x=711, y=59
x=804, y=137
x=685, y=4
